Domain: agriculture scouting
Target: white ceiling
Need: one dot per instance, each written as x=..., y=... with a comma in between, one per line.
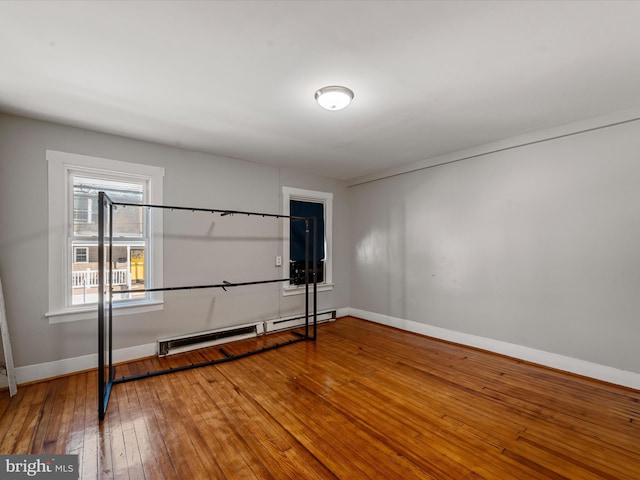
x=238, y=78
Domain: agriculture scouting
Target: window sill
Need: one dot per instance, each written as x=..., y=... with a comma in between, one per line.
x=299, y=290
x=91, y=313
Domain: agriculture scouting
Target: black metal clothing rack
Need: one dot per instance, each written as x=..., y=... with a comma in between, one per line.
x=106, y=369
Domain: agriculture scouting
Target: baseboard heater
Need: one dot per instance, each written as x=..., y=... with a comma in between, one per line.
x=193, y=341
x=296, y=321
x=184, y=343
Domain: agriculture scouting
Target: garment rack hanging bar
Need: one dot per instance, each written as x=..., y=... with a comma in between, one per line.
x=193, y=287
x=209, y=210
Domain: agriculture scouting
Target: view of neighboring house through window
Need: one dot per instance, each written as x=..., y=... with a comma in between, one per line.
x=129, y=237
x=81, y=254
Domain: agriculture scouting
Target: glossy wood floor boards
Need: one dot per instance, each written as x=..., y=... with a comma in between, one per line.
x=363, y=402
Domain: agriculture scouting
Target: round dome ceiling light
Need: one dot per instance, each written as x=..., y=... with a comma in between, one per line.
x=334, y=97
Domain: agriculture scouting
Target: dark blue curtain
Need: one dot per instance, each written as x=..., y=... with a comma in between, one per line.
x=296, y=245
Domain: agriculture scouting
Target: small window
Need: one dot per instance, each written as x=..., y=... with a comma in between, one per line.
x=81, y=209
x=307, y=203
x=81, y=255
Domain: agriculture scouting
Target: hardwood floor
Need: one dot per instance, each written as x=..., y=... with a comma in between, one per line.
x=364, y=402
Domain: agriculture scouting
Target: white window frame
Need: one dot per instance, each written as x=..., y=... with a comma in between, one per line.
x=326, y=198
x=60, y=166
x=75, y=254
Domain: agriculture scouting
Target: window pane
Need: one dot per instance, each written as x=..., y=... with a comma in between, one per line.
x=297, y=249
x=129, y=239
x=128, y=273
x=81, y=255
x=298, y=235
x=127, y=221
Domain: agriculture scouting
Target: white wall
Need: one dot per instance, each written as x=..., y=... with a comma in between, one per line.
x=199, y=248
x=537, y=246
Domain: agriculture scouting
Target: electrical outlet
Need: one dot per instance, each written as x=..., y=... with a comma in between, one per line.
x=278, y=261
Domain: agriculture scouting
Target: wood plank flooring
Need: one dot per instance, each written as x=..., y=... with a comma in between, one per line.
x=363, y=402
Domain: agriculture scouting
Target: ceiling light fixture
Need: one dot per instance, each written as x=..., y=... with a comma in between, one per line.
x=334, y=97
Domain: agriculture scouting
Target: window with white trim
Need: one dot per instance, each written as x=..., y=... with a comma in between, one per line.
x=74, y=183
x=306, y=203
x=81, y=254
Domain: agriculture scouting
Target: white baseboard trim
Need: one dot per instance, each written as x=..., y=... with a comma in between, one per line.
x=560, y=362
x=41, y=371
